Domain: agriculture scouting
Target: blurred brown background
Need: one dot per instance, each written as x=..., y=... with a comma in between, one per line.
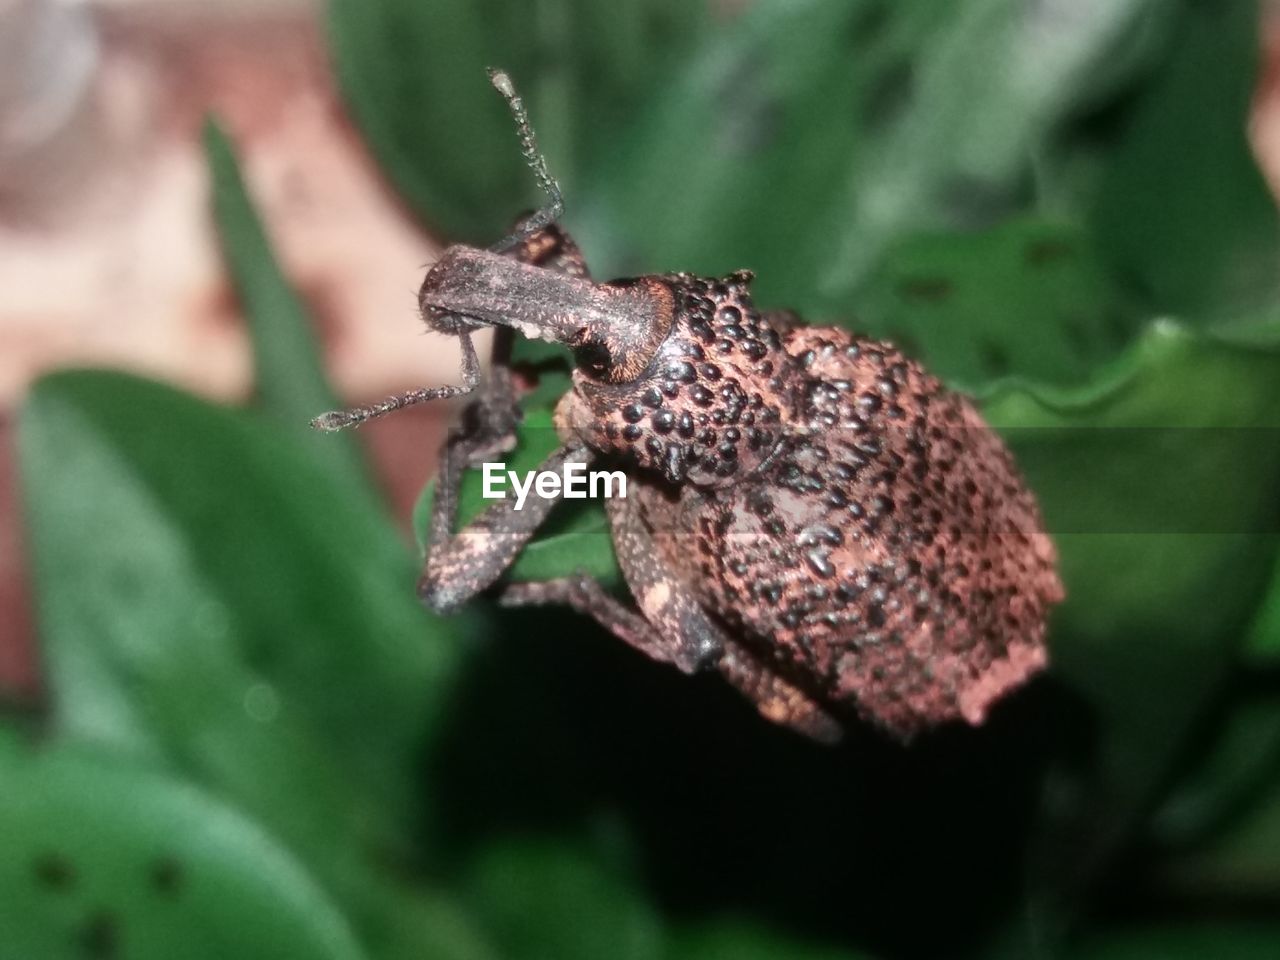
x=107, y=254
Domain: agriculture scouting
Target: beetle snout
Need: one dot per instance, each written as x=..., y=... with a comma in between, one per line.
x=468, y=287
x=440, y=288
x=615, y=327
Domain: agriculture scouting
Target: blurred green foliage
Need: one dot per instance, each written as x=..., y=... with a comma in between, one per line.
x=256, y=744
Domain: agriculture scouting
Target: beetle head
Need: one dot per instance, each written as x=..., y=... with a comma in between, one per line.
x=709, y=403
x=613, y=328
x=678, y=373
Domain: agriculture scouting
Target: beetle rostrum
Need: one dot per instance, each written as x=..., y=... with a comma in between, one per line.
x=810, y=513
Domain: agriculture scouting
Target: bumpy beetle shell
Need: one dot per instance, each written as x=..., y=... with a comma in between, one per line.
x=856, y=523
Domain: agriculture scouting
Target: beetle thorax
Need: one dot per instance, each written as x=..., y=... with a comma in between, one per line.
x=710, y=405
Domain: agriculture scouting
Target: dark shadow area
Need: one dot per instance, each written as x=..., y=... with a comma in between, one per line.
x=923, y=851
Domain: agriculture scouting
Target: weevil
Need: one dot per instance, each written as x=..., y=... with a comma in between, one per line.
x=811, y=513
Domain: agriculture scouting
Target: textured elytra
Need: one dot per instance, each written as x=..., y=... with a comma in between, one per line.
x=856, y=525
x=810, y=513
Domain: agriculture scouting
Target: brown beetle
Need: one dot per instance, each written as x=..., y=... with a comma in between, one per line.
x=811, y=513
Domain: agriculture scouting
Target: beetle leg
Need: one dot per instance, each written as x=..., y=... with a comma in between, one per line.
x=341, y=419
x=670, y=607
x=587, y=597
x=670, y=626
x=776, y=698
x=489, y=422
x=695, y=639
x=460, y=565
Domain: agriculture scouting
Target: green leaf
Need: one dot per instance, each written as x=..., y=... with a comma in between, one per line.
x=413, y=75
x=1229, y=776
x=289, y=376
x=1219, y=830
x=210, y=596
x=1240, y=864
x=743, y=940
x=1264, y=637
x=536, y=352
x=1162, y=575
x=104, y=858
x=1182, y=212
x=417, y=923
x=799, y=139
x=1263, y=644
x=575, y=538
x=389, y=54
x=1185, y=941
x=1028, y=298
x=989, y=90
x=807, y=139
x=545, y=900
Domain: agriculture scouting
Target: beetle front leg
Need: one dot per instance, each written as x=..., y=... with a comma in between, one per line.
x=460, y=565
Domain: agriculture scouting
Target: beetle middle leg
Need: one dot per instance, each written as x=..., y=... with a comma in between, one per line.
x=670, y=625
x=672, y=609
x=775, y=697
x=586, y=596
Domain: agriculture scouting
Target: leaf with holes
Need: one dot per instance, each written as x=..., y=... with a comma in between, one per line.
x=210, y=596
x=1028, y=298
x=102, y=857
x=1181, y=211
x=1162, y=578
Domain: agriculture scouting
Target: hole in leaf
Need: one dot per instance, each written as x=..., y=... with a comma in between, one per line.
x=100, y=936
x=1042, y=253
x=1076, y=331
x=994, y=358
x=54, y=871
x=926, y=289
x=869, y=23
x=167, y=876
x=889, y=96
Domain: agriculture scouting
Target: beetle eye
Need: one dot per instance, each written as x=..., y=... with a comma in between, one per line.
x=593, y=357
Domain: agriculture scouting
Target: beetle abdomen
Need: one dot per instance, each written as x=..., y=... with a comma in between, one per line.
x=889, y=556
